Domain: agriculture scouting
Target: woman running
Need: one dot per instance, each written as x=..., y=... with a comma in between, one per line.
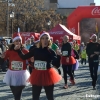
x=43, y=75
x=17, y=74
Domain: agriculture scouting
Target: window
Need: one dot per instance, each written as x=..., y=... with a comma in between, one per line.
x=53, y=1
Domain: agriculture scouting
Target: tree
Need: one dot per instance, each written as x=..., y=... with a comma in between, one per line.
x=30, y=15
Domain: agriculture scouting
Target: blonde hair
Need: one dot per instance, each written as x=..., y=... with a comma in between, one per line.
x=49, y=43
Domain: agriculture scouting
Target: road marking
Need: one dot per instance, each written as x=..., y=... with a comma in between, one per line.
x=5, y=93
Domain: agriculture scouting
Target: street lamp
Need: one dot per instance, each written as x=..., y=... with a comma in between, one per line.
x=12, y=5
x=49, y=23
x=12, y=16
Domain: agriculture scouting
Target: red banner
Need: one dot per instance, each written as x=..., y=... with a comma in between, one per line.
x=26, y=35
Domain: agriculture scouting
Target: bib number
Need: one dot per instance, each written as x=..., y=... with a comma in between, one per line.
x=40, y=65
x=65, y=53
x=17, y=65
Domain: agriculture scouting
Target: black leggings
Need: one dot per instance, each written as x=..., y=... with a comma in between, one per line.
x=93, y=66
x=30, y=69
x=67, y=69
x=17, y=91
x=83, y=61
x=36, y=90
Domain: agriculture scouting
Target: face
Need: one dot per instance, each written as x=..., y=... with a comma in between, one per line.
x=17, y=42
x=65, y=39
x=57, y=41
x=44, y=41
x=28, y=41
x=94, y=38
x=32, y=39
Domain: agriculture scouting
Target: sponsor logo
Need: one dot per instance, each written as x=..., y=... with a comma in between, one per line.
x=25, y=34
x=57, y=32
x=95, y=11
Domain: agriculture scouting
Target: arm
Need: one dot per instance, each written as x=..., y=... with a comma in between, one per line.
x=55, y=59
x=25, y=56
x=69, y=50
x=76, y=54
x=88, y=51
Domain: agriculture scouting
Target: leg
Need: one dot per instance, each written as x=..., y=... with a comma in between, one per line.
x=65, y=73
x=4, y=66
x=82, y=61
x=91, y=64
x=70, y=71
x=95, y=69
x=30, y=69
x=59, y=71
x=17, y=91
x=49, y=92
x=36, y=90
x=70, y=74
x=85, y=61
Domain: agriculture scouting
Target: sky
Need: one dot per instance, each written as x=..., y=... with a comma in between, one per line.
x=97, y=2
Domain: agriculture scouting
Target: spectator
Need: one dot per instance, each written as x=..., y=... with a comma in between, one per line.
x=28, y=43
x=32, y=40
x=83, y=56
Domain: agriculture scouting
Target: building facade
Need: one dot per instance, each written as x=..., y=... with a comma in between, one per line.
x=65, y=7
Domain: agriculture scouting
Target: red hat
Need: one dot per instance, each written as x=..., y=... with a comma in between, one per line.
x=17, y=36
x=44, y=33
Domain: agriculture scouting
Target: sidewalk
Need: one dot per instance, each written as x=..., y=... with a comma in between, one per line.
x=79, y=91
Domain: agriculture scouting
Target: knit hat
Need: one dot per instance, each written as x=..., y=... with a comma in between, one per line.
x=93, y=35
x=44, y=33
x=17, y=36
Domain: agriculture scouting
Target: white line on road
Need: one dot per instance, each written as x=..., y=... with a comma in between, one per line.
x=5, y=93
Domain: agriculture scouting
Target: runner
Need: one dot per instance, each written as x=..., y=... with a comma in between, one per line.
x=93, y=51
x=67, y=61
x=17, y=74
x=43, y=75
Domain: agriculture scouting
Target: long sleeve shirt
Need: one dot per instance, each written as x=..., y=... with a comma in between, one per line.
x=91, y=48
x=45, y=54
x=15, y=60
x=66, y=49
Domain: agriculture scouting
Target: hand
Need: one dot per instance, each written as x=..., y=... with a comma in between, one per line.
x=17, y=47
x=97, y=53
x=32, y=59
x=58, y=52
x=92, y=55
x=67, y=60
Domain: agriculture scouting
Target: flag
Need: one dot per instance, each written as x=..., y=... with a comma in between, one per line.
x=96, y=28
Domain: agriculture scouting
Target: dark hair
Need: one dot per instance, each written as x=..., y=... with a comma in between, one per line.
x=11, y=46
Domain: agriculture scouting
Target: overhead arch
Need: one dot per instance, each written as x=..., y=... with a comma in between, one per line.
x=78, y=14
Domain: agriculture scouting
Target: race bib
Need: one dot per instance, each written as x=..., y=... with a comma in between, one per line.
x=65, y=53
x=40, y=65
x=17, y=65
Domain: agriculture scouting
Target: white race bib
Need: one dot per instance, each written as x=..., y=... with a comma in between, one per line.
x=17, y=65
x=65, y=53
x=40, y=65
